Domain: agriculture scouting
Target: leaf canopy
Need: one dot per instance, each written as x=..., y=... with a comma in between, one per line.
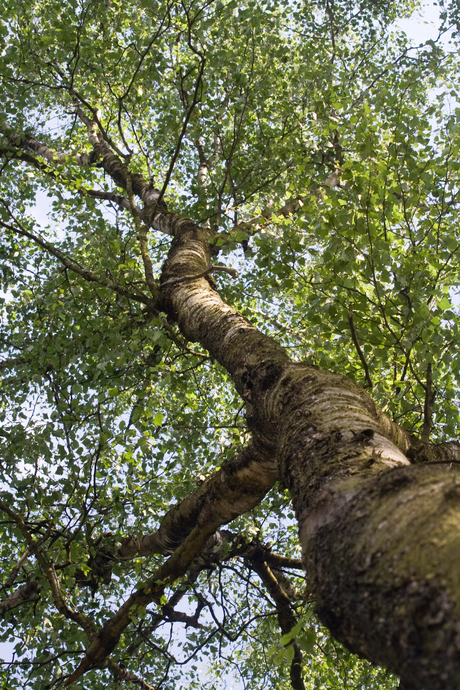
x=324, y=148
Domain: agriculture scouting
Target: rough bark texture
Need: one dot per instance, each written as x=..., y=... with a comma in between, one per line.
x=380, y=536
x=238, y=486
x=385, y=574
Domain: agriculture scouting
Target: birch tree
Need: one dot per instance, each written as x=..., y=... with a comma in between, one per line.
x=229, y=375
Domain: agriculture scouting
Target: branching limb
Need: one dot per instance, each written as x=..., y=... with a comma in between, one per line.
x=98, y=135
x=177, y=616
x=177, y=339
x=155, y=213
x=237, y=487
x=184, y=128
x=85, y=273
x=290, y=208
x=277, y=561
x=151, y=591
x=121, y=201
x=220, y=547
x=25, y=141
x=47, y=567
x=67, y=182
x=92, y=277
x=17, y=567
x=435, y=453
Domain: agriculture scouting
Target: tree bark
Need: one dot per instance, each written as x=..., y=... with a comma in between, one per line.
x=379, y=536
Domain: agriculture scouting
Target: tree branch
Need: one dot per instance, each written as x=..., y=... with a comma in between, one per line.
x=120, y=673
x=151, y=591
x=48, y=570
x=25, y=141
x=286, y=617
x=68, y=263
x=225, y=269
x=237, y=487
x=354, y=337
x=45, y=169
x=12, y=576
x=183, y=130
x=13, y=362
x=26, y=593
x=430, y=397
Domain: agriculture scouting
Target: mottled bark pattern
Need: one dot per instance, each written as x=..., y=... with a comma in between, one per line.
x=385, y=574
x=380, y=536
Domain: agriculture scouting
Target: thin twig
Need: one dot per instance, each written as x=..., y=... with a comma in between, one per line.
x=123, y=674
x=430, y=396
x=286, y=616
x=354, y=337
x=225, y=269
x=183, y=130
x=69, y=264
x=17, y=568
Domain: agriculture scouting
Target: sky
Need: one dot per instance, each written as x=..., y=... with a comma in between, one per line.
x=424, y=27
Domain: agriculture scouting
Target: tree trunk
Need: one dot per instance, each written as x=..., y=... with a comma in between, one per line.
x=379, y=535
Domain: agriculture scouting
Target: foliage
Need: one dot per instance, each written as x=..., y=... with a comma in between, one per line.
x=109, y=418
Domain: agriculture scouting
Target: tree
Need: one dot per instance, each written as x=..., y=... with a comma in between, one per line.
x=241, y=299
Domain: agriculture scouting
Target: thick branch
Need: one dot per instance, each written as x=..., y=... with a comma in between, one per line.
x=238, y=486
x=225, y=269
x=288, y=209
x=29, y=143
x=155, y=213
x=23, y=595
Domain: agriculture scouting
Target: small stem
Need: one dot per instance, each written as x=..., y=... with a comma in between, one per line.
x=354, y=337
x=17, y=567
x=183, y=130
x=430, y=396
x=225, y=269
x=142, y=234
